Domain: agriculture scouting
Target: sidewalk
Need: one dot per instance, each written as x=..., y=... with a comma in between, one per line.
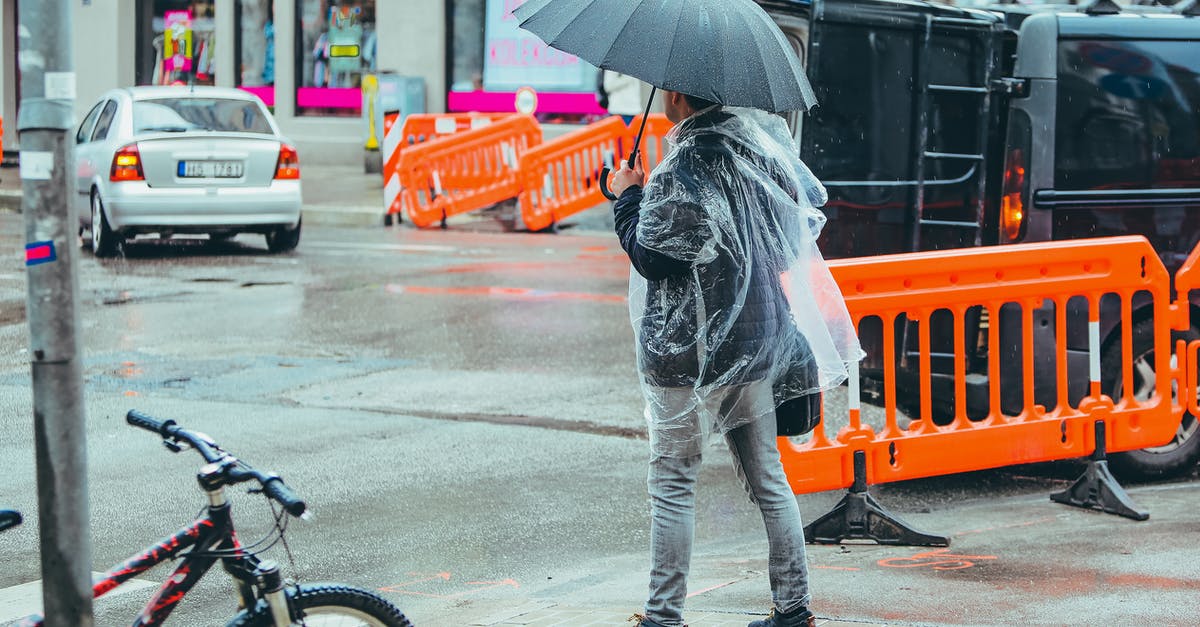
x=1016, y=560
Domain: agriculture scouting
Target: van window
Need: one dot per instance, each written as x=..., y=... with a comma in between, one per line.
x=1128, y=115
x=862, y=142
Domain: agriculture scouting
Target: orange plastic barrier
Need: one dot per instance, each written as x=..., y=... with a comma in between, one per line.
x=391, y=163
x=1187, y=278
x=560, y=177
x=1192, y=381
x=419, y=128
x=915, y=286
x=476, y=169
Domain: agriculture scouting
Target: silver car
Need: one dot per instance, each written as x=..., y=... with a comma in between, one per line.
x=170, y=160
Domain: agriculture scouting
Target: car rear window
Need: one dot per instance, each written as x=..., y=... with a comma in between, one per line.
x=177, y=115
x=1128, y=115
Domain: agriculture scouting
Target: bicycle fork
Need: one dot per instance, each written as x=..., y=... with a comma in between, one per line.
x=273, y=593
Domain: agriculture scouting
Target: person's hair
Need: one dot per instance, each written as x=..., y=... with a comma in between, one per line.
x=697, y=103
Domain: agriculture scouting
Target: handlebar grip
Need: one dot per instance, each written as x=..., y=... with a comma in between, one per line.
x=275, y=489
x=604, y=174
x=9, y=518
x=147, y=422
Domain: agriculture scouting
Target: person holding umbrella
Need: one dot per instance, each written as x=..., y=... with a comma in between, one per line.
x=734, y=310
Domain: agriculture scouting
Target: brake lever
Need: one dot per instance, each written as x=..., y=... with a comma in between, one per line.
x=174, y=446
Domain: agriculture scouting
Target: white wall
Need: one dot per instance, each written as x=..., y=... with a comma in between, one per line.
x=413, y=43
x=104, y=49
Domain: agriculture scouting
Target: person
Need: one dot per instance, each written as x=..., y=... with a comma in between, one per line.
x=734, y=312
x=621, y=95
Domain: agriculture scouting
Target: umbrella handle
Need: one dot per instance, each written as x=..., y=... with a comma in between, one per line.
x=606, y=171
x=604, y=174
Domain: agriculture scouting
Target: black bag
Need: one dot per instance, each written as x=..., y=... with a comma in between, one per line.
x=799, y=415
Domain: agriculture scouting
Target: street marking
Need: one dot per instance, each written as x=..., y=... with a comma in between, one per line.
x=19, y=601
x=716, y=587
x=396, y=587
x=388, y=247
x=514, y=293
x=403, y=588
x=938, y=559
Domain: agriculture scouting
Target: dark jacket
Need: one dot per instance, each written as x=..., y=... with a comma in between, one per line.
x=747, y=316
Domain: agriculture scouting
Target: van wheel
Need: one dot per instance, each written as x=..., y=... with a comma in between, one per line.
x=1183, y=451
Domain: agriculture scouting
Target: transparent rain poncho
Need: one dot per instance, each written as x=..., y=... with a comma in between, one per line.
x=757, y=319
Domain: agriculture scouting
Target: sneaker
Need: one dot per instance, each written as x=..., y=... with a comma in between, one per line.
x=642, y=621
x=799, y=617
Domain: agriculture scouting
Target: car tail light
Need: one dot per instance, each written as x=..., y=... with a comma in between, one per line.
x=1012, y=200
x=288, y=166
x=127, y=165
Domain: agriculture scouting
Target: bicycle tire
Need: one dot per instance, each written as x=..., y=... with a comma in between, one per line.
x=328, y=600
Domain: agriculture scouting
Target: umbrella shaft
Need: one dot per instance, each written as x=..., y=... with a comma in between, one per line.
x=638, y=140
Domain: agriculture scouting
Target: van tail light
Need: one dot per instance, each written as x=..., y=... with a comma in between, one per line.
x=127, y=165
x=1012, y=200
x=288, y=166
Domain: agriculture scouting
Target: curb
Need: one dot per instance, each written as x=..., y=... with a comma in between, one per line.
x=331, y=215
x=10, y=200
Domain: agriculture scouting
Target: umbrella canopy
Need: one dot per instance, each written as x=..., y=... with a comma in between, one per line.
x=725, y=51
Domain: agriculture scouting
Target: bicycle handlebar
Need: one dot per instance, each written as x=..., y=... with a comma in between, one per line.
x=272, y=485
x=9, y=518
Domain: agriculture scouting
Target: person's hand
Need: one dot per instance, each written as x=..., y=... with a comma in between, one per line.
x=625, y=178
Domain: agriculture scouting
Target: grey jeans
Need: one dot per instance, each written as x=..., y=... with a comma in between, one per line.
x=672, y=483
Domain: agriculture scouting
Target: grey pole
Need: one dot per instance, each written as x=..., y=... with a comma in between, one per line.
x=45, y=122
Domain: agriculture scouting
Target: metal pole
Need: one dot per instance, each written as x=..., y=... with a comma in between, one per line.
x=45, y=121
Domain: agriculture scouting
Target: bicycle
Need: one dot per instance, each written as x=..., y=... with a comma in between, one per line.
x=264, y=599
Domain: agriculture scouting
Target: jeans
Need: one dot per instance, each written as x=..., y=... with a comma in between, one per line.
x=672, y=483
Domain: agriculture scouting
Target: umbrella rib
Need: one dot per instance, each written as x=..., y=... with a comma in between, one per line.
x=802, y=79
x=612, y=45
x=671, y=52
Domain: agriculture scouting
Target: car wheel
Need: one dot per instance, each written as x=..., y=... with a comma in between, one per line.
x=1183, y=451
x=283, y=239
x=104, y=240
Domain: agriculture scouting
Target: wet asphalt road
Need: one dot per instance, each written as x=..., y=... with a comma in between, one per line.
x=459, y=407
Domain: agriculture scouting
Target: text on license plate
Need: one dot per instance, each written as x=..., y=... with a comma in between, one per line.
x=211, y=169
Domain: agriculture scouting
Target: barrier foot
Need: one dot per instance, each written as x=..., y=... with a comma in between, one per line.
x=1098, y=489
x=387, y=219
x=858, y=516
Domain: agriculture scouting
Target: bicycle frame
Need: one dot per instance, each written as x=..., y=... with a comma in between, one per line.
x=212, y=532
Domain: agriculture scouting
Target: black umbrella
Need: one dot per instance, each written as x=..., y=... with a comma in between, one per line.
x=725, y=51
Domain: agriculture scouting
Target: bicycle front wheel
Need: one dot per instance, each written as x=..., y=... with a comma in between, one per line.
x=328, y=605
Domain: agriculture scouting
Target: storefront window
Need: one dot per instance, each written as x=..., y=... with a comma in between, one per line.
x=256, y=48
x=178, y=43
x=492, y=58
x=335, y=48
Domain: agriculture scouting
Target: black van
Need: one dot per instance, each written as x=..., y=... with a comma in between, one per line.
x=943, y=127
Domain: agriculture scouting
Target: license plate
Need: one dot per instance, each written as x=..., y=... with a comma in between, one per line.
x=211, y=169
